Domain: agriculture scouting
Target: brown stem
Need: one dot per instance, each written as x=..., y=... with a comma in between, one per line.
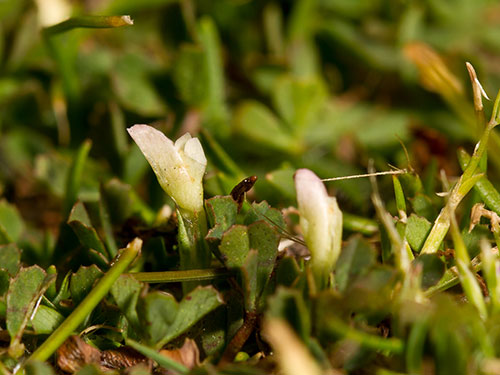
x=240, y=338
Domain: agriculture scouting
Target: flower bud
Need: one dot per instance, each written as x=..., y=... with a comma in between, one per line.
x=321, y=223
x=179, y=166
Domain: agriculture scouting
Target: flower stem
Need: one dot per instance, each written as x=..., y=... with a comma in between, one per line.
x=193, y=250
x=178, y=276
x=69, y=325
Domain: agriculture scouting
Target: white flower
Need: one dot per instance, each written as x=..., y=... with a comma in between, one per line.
x=179, y=166
x=321, y=222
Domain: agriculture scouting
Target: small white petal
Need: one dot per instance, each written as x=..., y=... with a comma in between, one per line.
x=194, y=150
x=181, y=141
x=156, y=147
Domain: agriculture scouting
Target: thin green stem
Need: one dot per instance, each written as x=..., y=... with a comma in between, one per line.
x=338, y=328
x=193, y=249
x=74, y=178
x=401, y=254
x=415, y=346
x=450, y=278
x=359, y=224
x=489, y=194
x=463, y=186
x=69, y=325
x=467, y=278
x=490, y=274
x=89, y=22
x=161, y=359
x=179, y=276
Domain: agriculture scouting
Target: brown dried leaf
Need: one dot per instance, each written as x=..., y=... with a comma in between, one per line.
x=479, y=211
x=188, y=354
x=75, y=353
x=434, y=74
x=120, y=358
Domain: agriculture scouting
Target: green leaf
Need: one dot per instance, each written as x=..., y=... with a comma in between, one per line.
x=80, y=222
x=38, y=368
x=289, y=304
x=190, y=75
x=214, y=331
x=422, y=206
x=260, y=126
x=263, y=211
x=82, y=282
x=417, y=229
x=192, y=308
x=89, y=369
x=134, y=88
x=21, y=298
x=298, y=100
x=449, y=347
x=415, y=346
x=106, y=225
x=157, y=312
x=433, y=269
x=4, y=282
x=355, y=259
x=221, y=211
x=64, y=292
x=264, y=239
x=74, y=177
x=234, y=246
x=215, y=108
x=46, y=320
x=125, y=291
x=411, y=184
x=287, y=271
x=11, y=223
x=10, y=256
x=372, y=290
x=282, y=180
x=249, y=279
x=22, y=289
x=139, y=369
x=118, y=200
x=216, y=153
x=399, y=194
x=383, y=129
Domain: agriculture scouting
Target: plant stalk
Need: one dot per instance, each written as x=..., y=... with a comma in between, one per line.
x=193, y=249
x=179, y=276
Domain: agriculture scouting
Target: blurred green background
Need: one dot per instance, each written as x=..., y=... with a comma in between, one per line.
x=269, y=86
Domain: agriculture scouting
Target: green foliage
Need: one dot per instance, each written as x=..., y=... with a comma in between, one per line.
x=11, y=223
x=79, y=221
x=417, y=229
x=269, y=87
x=10, y=257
